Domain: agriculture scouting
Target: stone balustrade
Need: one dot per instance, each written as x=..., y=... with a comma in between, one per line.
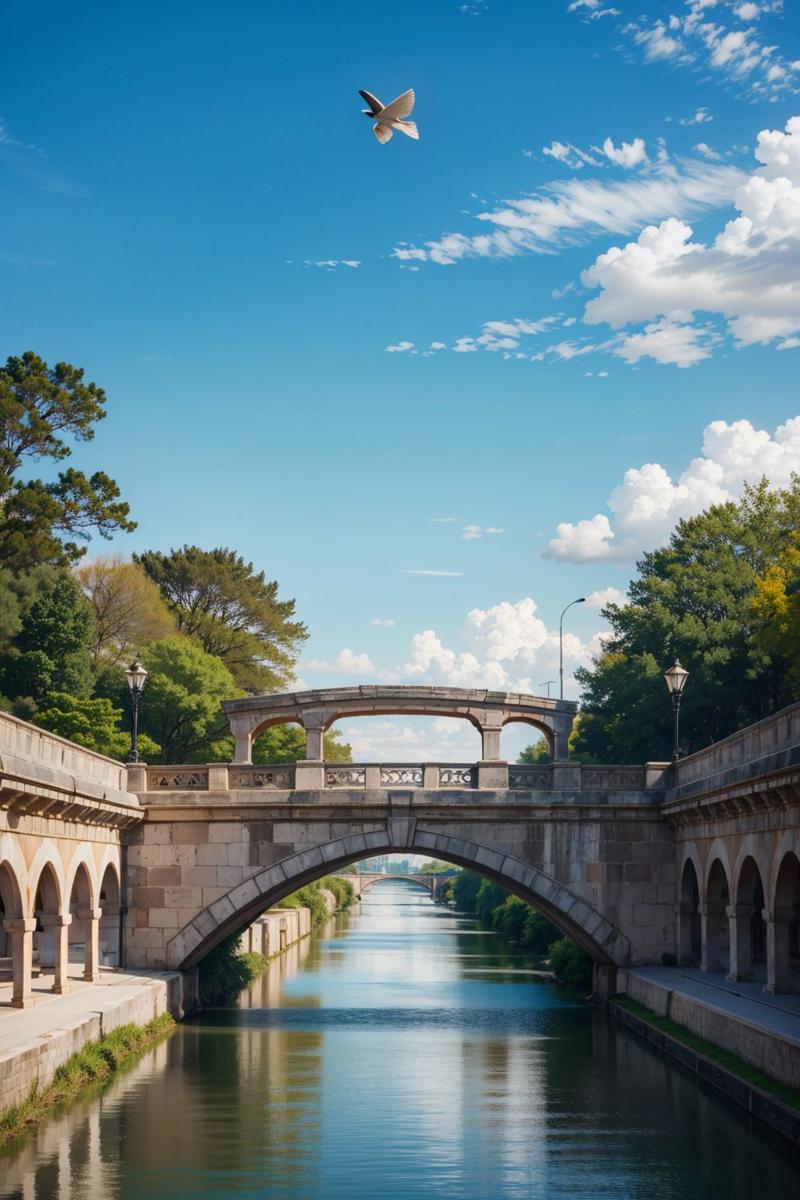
x=355, y=777
x=768, y=746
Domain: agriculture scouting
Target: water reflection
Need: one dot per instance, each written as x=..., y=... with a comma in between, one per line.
x=405, y=1053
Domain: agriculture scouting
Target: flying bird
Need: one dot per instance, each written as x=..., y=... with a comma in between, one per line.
x=388, y=117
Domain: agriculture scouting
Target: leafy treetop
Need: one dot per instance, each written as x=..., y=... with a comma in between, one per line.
x=231, y=610
x=39, y=407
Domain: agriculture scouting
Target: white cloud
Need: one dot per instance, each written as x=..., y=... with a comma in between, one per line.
x=627, y=154
x=668, y=342
x=749, y=275
x=648, y=502
x=346, y=661
x=569, y=211
x=507, y=647
x=399, y=348
x=420, y=571
x=384, y=622
x=701, y=116
x=740, y=55
x=471, y=533
x=707, y=151
x=571, y=156
x=330, y=264
x=609, y=595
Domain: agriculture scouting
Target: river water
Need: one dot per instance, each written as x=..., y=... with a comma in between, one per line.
x=405, y=1053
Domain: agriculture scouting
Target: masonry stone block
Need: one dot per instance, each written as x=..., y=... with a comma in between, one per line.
x=228, y=877
x=246, y=893
x=225, y=831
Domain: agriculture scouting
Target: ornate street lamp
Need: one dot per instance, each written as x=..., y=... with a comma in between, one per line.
x=136, y=676
x=676, y=678
x=580, y=600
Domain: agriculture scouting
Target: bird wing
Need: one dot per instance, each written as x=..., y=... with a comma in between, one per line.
x=382, y=132
x=372, y=101
x=401, y=107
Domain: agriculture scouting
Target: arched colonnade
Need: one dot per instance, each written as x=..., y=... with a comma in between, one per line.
x=56, y=910
x=741, y=917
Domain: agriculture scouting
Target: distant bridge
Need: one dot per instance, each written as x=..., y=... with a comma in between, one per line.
x=434, y=884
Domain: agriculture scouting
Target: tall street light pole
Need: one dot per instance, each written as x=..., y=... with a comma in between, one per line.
x=136, y=676
x=676, y=678
x=580, y=600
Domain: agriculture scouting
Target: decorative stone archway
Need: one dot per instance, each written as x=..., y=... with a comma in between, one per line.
x=317, y=710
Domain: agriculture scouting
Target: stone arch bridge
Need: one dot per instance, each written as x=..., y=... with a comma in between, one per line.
x=700, y=860
x=433, y=884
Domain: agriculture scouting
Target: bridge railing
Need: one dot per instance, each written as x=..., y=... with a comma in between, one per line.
x=773, y=742
x=36, y=763
x=355, y=777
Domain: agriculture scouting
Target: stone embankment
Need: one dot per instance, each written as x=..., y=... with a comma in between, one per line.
x=36, y=1041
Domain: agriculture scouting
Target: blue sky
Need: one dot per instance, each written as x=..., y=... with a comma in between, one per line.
x=183, y=186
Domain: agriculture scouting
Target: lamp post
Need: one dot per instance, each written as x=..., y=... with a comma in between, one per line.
x=676, y=678
x=136, y=676
x=546, y=684
x=580, y=600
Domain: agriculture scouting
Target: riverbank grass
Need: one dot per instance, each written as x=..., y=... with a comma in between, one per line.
x=93, y=1063
x=724, y=1058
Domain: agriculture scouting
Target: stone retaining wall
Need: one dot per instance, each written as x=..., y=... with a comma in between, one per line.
x=775, y=1055
x=36, y=1060
x=276, y=929
x=759, y=1104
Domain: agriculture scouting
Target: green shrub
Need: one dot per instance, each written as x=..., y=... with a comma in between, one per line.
x=570, y=964
x=509, y=918
x=95, y=1062
x=538, y=933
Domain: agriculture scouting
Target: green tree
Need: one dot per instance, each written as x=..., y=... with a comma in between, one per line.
x=435, y=868
x=691, y=599
x=95, y=724
x=490, y=896
x=509, y=918
x=39, y=521
x=51, y=651
x=570, y=964
x=776, y=612
x=232, y=611
x=538, y=933
x=537, y=752
x=127, y=607
x=287, y=743
x=180, y=707
x=463, y=890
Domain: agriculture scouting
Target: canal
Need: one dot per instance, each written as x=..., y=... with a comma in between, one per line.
x=404, y=1053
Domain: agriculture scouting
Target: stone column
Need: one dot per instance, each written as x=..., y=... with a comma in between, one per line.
x=779, y=978
x=741, y=961
x=491, y=727
x=562, y=728
x=21, y=930
x=58, y=924
x=604, y=983
x=309, y=772
x=242, y=730
x=710, y=919
x=683, y=919
x=315, y=731
x=91, y=964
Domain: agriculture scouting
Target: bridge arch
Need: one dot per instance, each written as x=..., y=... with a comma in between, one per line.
x=243, y=903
